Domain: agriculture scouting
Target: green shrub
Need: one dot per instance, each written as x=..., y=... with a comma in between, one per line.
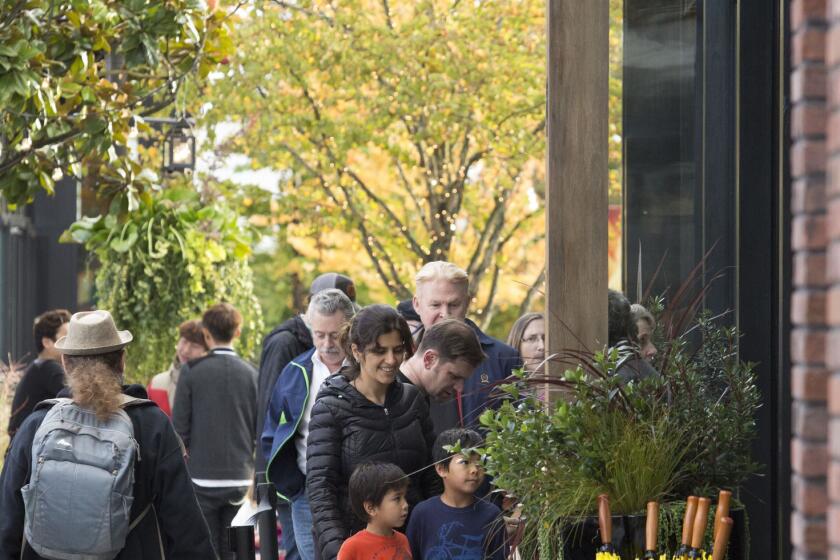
x=166, y=262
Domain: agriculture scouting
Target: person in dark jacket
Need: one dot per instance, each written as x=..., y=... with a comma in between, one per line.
x=288, y=340
x=442, y=292
x=622, y=337
x=174, y=528
x=363, y=414
x=215, y=410
x=446, y=358
x=44, y=377
x=286, y=431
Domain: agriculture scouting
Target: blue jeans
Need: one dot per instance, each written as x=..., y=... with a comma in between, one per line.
x=302, y=520
x=284, y=516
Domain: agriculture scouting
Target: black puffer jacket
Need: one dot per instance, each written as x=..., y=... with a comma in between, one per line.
x=346, y=429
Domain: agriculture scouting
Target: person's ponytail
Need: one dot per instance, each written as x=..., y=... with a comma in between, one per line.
x=95, y=381
x=352, y=368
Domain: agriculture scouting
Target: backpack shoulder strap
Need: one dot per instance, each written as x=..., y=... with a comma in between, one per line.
x=49, y=403
x=126, y=402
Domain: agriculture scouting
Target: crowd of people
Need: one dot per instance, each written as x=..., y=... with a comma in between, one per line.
x=364, y=420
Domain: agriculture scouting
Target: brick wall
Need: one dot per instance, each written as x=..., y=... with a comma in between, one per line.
x=811, y=45
x=832, y=307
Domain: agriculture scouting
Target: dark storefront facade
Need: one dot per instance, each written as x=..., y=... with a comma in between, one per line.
x=37, y=272
x=704, y=165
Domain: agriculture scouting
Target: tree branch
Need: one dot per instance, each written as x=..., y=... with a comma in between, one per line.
x=13, y=14
x=371, y=243
x=463, y=173
x=490, y=251
x=411, y=194
x=488, y=311
x=387, y=11
x=518, y=225
x=310, y=13
x=18, y=157
x=490, y=224
x=404, y=231
x=307, y=95
x=298, y=158
x=533, y=290
x=517, y=113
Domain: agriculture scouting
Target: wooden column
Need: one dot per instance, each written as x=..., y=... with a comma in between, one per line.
x=576, y=201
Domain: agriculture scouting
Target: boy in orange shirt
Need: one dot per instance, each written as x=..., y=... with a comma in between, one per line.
x=377, y=495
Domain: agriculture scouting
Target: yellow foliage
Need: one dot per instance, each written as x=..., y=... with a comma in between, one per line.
x=408, y=140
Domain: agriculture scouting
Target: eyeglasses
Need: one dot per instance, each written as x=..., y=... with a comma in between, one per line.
x=534, y=338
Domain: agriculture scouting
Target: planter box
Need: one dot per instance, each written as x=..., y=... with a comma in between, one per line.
x=582, y=540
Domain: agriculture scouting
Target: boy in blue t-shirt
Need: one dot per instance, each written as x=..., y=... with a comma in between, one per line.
x=456, y=524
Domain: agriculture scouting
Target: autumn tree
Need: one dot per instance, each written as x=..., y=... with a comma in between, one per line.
x=77, y=77
x=415, y=128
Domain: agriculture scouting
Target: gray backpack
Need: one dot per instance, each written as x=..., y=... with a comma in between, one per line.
x=81, y=486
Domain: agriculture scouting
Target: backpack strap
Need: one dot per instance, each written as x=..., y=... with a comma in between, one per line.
x=147, y=509
x=126, y=401
x=49, y=403
x=141, y=515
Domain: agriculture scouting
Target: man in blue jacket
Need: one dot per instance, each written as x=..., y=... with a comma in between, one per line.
x=287, y=341
x=442, y=292
x=286, y=427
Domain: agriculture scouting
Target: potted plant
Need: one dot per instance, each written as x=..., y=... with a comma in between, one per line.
x=684, y=432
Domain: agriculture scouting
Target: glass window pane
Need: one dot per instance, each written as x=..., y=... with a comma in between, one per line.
x=659, y=123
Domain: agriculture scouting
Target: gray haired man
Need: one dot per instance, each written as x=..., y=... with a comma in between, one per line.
x=286, y=427
x=288, y=340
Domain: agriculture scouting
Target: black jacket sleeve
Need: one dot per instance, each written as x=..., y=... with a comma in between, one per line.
x=430, y=483
x=323, y=468
x=55, y=381
x=14, y=477
x=184, y=530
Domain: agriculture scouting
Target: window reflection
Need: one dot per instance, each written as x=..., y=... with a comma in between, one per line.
x=660, y=116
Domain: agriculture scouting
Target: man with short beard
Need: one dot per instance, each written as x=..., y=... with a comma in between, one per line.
x=442, y=292
x=444, y=361
x=286, y=427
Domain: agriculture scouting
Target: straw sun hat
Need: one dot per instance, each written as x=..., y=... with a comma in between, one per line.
x=92, y=332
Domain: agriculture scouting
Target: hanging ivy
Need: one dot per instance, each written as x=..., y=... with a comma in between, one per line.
x=166, y=262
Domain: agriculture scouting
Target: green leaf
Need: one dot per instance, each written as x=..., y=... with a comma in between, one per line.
x=123, y=244
x=46, y=181
x=9, y=51
x=88, y=95
x=94, y=125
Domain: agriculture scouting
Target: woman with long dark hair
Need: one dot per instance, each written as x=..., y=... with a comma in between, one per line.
x=361, y=415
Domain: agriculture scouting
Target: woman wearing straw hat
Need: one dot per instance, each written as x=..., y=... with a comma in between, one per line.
x=165, y=520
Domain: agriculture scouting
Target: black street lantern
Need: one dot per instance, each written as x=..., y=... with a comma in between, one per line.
x=178, y=144
x=179, y=149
